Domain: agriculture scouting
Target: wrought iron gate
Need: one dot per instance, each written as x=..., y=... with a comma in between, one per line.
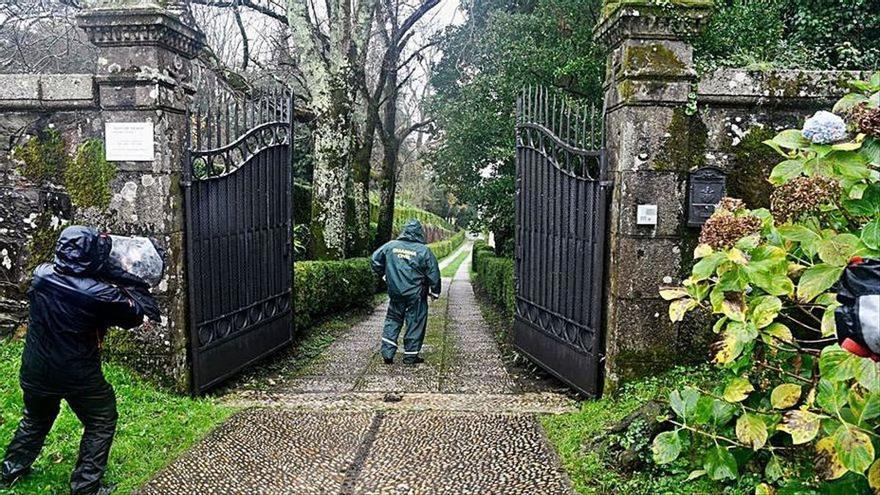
x=561, y=210
x=237, y=190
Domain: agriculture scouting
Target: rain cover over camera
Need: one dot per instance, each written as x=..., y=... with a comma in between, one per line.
x=135, y=260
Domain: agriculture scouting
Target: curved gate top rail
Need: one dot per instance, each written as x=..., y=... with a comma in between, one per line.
x=237, y=189
x=561, y=209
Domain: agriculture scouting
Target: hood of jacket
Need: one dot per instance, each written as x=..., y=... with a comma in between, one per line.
x=412, y=232
x=81, y=251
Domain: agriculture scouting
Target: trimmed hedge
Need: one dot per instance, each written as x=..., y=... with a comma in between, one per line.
x=442, y=249
x=324, y=287
x=494, y=275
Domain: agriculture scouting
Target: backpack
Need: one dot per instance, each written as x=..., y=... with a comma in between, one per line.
x=858, y=317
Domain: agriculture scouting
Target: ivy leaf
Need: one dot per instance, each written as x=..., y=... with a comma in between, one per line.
x=764, y=489
x=868, y=375
x=696, y=473
x=737, y=389
x=785, y=396
x=816, y=280
x=785, y=171
x=836, y=364
x=751, y=430
x=765, y=311
x=803, y=426
x=854, y=448
x=666, y=447
x=871, y=234
x=826, y=460
x=720, y=464
x=684, y=403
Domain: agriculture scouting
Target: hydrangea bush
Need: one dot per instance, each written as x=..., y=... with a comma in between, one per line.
x=795, y=411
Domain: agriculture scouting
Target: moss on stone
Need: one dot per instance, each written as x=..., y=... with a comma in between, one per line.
x=611, y=6
x=653, y=58
x=42, y=156
x=751, y=164
x=629, y=364
x=41, y=247
x=685, y=148
x=87, y=177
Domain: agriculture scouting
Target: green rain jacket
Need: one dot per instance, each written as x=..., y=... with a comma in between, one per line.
x=409, y=267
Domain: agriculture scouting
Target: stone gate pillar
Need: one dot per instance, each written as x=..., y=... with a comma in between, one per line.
x=648, y=82
x=143, y=77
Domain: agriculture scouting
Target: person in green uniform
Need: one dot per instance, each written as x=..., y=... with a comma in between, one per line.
x=412, y=274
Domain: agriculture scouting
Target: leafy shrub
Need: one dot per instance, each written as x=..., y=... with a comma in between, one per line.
x=324, y=287
x=495, y=275
x=789, y=391
x=442, y=249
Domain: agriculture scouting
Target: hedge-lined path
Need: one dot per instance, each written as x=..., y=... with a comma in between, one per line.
x=349, y=424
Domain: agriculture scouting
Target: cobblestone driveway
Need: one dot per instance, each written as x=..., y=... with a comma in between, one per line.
x=454, y=425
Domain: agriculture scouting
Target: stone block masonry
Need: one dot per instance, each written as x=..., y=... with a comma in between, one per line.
x=52, y=130
x=663, y=121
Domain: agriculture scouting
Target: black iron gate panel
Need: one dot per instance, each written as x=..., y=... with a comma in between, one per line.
x=237, y=189
x=561, y=212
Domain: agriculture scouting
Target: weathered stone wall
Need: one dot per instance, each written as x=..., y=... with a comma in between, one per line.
x=33, y=204
x=663, y=121
x=143, y=75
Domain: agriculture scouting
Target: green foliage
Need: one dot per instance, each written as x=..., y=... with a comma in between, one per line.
x=154, y=428
x=87, y=177
x=41, y=247
x=442, y=249
x=804, y=34
x=495, y=275
x=793, y=394
x=325, y=287
x=43, y=156
x=501, y=48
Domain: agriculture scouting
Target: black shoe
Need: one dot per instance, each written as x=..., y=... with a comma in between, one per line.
x=413, y=360
x=12, y=480
x=388, y=360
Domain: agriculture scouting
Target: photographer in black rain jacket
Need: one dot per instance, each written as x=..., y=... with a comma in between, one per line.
x=71, y=308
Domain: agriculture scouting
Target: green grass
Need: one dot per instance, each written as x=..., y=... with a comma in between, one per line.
x=154, y=428
x=452, y=267
x=591, y=474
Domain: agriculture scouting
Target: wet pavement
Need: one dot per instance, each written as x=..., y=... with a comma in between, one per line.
x=349, y=424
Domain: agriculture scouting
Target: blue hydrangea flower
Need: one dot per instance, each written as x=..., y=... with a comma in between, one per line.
x=824, y=128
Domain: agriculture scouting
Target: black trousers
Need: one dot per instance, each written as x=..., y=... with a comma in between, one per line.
x=96, y=410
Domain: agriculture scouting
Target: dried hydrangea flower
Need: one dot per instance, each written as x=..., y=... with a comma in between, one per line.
x=824, y=128
x=731, y=204
x=867, y=120
x=723, y=229
x=802, y=195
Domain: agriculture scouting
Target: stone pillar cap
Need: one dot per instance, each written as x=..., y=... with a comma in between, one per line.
x=141, y=26
x=638, y=19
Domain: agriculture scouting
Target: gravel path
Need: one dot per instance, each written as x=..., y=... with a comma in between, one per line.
x=454, y=425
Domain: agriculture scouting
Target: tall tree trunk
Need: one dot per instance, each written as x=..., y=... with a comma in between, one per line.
x=360, y=244
x=391, y=148
x=331, y=174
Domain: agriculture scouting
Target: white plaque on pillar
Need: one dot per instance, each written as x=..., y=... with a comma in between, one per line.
x=129, y=142
x=646, y=215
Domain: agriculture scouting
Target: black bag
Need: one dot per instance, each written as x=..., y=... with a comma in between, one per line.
x=858, y=317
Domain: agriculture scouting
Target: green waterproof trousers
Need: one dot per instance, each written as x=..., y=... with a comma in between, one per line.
x=415, y=311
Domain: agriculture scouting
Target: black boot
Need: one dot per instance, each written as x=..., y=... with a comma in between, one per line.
x=413, y=360
x=9, y=482
x=388, y=360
